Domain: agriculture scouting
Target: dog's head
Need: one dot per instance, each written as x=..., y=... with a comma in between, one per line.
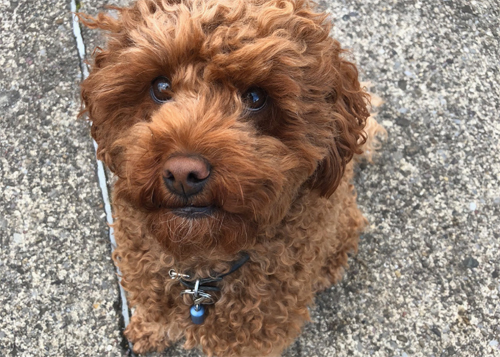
x=216, y=114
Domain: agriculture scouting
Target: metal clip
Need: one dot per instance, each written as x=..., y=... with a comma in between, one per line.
x=174, y=275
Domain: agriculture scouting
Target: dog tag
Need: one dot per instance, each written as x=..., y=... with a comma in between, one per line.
x=197, y=315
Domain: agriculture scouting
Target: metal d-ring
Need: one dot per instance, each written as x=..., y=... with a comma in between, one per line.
x=195, y=295
x=196, y=286
x=200, y=298
x=205, y=299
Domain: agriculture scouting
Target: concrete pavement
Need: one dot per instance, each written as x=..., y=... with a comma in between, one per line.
x=58, y=291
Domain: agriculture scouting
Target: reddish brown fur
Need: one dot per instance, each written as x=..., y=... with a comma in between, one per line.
x=280, y=177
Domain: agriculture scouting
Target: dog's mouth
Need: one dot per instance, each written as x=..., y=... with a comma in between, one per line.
x=194, y=211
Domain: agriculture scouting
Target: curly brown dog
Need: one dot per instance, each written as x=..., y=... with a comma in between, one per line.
x=231, y=126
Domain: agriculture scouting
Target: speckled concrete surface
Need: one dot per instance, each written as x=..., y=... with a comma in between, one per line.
x=426, y=279
x=58, y=292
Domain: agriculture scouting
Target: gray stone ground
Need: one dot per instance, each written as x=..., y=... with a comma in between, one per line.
x=58, y=291
x=425, y=281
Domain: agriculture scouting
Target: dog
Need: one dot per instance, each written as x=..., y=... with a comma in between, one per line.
x=231, y=128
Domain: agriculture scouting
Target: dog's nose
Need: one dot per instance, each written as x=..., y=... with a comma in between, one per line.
x=186, y=175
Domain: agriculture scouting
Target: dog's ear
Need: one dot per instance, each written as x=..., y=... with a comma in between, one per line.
x=349, y=112
x=113, y=93
x=90, y=88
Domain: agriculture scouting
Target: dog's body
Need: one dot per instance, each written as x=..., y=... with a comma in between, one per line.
x=230, y=126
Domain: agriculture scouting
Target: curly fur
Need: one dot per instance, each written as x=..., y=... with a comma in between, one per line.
x=281, y=176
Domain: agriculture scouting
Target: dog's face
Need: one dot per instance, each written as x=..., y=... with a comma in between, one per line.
x=216, y=114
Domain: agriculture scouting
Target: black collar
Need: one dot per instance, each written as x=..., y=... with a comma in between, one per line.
x=202, y=285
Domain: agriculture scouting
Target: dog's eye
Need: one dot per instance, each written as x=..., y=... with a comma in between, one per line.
x=161, y=90
x=255, y=98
